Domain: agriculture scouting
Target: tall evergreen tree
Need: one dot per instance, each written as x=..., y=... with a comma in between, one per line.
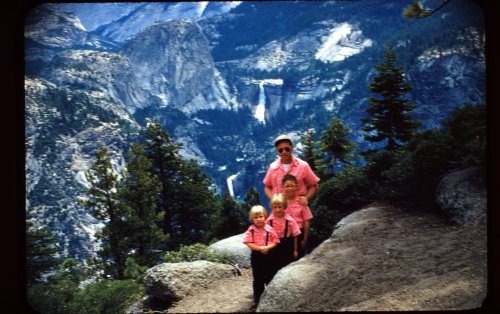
x=335, y=147
x=164, y=155
x=196, y=208
x=389, y=117
x=139, y=193
x=41, y=252
x=252, y=197
x=103, y=199
x=187, y=199
x=232, y=219
x=308, y=151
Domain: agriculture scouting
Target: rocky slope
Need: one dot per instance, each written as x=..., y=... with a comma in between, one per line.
x=385, y=259
x=379, y=258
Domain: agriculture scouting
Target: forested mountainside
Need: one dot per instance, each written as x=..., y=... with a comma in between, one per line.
x=223, y=81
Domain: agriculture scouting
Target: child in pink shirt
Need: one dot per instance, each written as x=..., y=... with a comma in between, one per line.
x=299, y=212
x=287, y=230
x=261, y=239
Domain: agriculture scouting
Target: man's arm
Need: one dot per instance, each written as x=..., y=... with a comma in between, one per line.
x=306, y=234
x=269, y=191
x=311, y=190
x=295, y=248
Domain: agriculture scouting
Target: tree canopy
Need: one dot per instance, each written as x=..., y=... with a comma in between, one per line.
x=389, y=115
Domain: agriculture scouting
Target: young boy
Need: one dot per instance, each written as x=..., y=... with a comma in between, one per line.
x=287, y=230
x=261, y=239
x=300, y=213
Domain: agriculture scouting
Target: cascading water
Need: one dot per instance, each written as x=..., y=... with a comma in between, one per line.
x=260, y=111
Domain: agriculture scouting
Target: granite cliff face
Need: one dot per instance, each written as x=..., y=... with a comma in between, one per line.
x=223, y=81
x=60, y=148
x=172, y=62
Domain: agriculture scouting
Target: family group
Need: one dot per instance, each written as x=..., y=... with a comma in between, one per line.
x=280, y=238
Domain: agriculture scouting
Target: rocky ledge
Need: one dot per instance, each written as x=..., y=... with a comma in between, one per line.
x=380, y=258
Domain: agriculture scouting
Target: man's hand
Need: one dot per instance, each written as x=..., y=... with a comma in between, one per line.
x=303, y=200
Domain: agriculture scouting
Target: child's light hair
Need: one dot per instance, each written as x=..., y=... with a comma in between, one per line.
x=278, y=199
x=257, y=209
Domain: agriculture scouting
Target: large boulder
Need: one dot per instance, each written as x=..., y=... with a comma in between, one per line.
x=234, y=247
x=385, y=259
x=173, y=281
x=462, y=196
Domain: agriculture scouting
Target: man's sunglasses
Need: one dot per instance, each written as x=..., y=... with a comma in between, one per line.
x=287, y=149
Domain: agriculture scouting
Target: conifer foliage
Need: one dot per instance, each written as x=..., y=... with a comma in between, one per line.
x=157, y=203
x=308, y=153
x=104, y=200
x=335, y=148
x=389, y=116
x=252, y=197
x=138, y=193
x=164, y=155
x=40, y=251
x=186, y=198
x=232, y=219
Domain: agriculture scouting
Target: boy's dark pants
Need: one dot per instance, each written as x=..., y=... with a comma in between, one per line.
x=282, y=255
x=261, y=269
x=304, y=251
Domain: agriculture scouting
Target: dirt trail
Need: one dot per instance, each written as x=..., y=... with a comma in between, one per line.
x=228, y=295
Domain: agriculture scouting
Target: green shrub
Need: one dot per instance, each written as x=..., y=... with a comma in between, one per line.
x=347, y=190
x=467, y=128
x=134, y=270
x=51, y=297
x=106, y=296
x=195, y=252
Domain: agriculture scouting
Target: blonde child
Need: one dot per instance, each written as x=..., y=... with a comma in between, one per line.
x=287, y=230
x=300, y=213
x=261, y=239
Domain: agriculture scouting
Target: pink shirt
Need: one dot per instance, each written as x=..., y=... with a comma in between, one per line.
x=298, y=168
x=298, y=212
x=259, y=235
x=280, y=224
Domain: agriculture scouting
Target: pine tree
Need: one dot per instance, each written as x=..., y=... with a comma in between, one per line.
x=232, y=219
x=139, y=193
x=103, y=199
x=335, y=147
x=164, y=155
x=252, y=197
x=308, y=151
x=389, y=117
x=196, y=208
x=187, y=198
x=41, y=252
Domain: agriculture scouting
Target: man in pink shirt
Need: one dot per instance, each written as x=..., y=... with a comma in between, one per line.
x=307, y=181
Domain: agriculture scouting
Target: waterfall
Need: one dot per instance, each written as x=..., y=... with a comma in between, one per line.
x=229, y=181
x=260, y=111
